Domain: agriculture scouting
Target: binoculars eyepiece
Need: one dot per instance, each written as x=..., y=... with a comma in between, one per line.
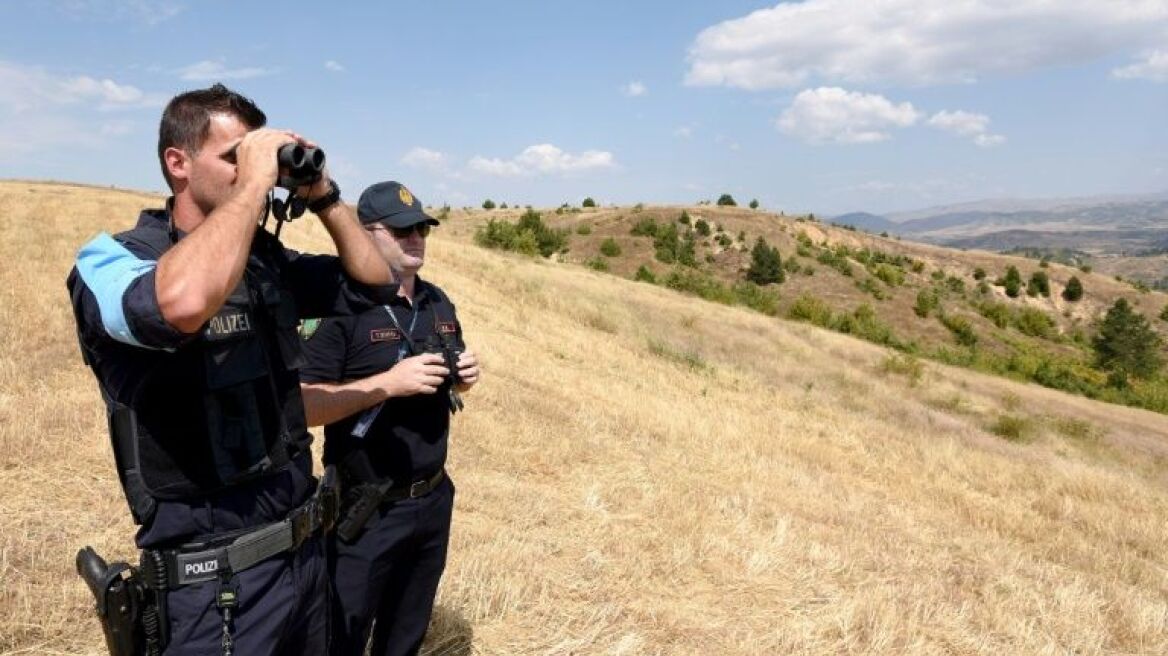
x=300, y=165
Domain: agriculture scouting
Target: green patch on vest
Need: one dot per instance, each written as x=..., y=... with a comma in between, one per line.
x=308, y=328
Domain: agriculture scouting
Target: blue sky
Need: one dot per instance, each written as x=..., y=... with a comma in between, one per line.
x=821, y=105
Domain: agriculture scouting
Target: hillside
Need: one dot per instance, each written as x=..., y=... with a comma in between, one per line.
x=645, y=472
x=925, y=300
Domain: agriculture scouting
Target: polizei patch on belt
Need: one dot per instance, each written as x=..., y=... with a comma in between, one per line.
x=447, y=327
x=197, y=567
x=228, y=324
x=385, y=335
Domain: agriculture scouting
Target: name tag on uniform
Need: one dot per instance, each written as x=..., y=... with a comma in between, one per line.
x=385, y=335
x=228, y=324
x=447, y=327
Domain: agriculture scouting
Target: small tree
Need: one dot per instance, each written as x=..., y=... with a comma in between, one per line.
x=979, y=274
x=727, y=200
x=1013, y=282
x=488, y=204
x=1126, y=345
x=1164, y=313
x=1039, y=284
x=588, y=202
x=754, y=204
x=702, y=227
x=766, y=266
x=1074, y=289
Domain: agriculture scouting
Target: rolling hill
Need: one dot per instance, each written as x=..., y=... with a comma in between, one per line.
x=645, y=472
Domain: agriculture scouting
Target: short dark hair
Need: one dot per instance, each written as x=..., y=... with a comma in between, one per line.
x=186, y=121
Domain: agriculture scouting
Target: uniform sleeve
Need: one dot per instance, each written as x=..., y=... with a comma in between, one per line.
x=113, y=292
x=325, y=349
x=323, y=289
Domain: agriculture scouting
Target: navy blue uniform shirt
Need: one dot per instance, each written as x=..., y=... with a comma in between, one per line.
x=408, y=439
x=124, y=335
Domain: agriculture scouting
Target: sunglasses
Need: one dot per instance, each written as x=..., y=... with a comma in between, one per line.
x=423, y=230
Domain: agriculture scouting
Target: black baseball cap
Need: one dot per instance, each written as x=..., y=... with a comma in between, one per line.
x=393, y=205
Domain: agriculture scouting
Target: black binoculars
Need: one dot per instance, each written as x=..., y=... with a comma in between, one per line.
x=299, y=165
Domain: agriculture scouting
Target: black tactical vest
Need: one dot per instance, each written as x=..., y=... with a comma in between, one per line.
x=224, y=408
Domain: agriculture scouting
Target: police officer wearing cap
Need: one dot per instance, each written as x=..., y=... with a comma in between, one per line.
x=188, y=321
x=385, y=383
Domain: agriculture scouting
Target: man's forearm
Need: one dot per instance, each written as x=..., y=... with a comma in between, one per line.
x=196, y=276
x=325, y=403
x=358, y=255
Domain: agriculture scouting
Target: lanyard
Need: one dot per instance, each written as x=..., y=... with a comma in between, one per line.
x=407, y=338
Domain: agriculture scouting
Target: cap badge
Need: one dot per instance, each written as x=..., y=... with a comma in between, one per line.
x=405, y=196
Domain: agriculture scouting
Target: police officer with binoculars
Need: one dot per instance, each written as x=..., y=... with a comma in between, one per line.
x=188, y=321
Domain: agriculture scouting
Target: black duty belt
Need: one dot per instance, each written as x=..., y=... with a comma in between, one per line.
x=196, y=563
x=414, y=490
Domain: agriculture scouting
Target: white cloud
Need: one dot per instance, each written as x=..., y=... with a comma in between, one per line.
x=916, y=41
x=685, y=132
x=967, y=124
x=988, y=140
x=634, y=89
x=41, y=111
x=216, y=70
x=831, y=114
x=334, y=66
x=542, y=159
x=424, y=158
x=149, y=12
x=27, y=89
x=1154, y=67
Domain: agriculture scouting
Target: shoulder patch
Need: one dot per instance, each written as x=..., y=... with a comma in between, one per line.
x=308, y=328
x=447, y=327
x=384, y=335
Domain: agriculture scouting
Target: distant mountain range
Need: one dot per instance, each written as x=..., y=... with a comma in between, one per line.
x=1099, y=224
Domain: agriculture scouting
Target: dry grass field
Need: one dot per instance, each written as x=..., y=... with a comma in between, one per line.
x=642, y=472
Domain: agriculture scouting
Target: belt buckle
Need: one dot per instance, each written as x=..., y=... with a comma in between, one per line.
x=418, y=488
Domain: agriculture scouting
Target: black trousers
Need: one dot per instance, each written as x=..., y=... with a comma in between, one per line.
x=384, y=583
x=283, y=609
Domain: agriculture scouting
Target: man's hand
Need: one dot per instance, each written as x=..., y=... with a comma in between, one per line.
x=255, y=158
x=420, y=374
x=468, y=370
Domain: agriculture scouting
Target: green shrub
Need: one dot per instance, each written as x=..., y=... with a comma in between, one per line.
x=644, y=227
x=1012, y=428
x=684, y=218
x=643, y=274
x=1039, y=284
x=918, y=266
x=588, y=202
x=754, y=204
x=583, y=229
x=1012, y=282
x=889, y=275
x=529, y=236
x=961, y=328
x=699, y=284
x=811, y=309
x=938, y=275
x=999, y=313
x=872, y=287
x=926, y=302
x=955, y=285
x=905, y=365
x=1074, y=290
x=979, y=274
x=1034, y=322
x=488, y=204
x=610, y=248
x=726, y=200
x=756, y=298
x=702, y=227
x=597, y=263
